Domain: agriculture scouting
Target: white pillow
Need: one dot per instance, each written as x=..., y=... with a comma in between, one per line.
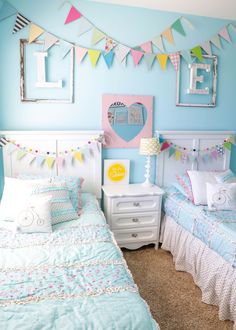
x=198, y=181
x=15, y=191
x=34, y=215
x=221, y=196
x=226, y=177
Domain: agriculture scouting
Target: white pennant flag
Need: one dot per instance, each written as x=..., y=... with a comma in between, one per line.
x=121, y=52
x=49, y=40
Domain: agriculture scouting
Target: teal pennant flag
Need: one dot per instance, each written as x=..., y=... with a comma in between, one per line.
x=108, y=57
x=6, y=10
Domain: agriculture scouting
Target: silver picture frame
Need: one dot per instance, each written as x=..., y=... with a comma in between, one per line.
x=25, y=98
x=213, y=89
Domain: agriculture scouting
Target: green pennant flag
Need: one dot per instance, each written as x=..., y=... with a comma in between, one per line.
x=20, y=154
x=227, y=145
x=171, y=151
x=177, y=26
x=197, y=51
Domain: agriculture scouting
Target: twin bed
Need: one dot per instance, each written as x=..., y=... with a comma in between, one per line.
x=202, y=242
x=76, y=276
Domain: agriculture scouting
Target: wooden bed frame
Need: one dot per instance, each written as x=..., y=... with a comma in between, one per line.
x=57, y=141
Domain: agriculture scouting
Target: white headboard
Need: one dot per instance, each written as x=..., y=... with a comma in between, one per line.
x=58, y=142
x=168, y=167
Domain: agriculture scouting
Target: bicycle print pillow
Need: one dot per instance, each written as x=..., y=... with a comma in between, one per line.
x=221, y=196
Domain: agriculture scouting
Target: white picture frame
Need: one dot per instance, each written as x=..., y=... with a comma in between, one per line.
x=116, y=171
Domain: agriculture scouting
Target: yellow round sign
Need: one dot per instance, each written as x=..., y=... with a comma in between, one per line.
x=116, y=172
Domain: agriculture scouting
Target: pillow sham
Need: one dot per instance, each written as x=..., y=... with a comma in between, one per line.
x=183, y=184
x=226, y=177
x=198, y=181
x=74, y=185
x=61, y=206
x=34, y=215
x=221, y=196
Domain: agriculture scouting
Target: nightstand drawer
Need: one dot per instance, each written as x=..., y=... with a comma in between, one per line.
x=135, y=235
x=127, y=220
x=135, y=204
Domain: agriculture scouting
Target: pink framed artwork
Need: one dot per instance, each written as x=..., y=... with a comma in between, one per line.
x=126, y=119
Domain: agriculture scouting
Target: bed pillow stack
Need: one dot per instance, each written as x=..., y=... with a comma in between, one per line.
x=35, y=205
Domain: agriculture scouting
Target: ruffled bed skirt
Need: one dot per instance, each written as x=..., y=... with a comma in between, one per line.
x=211, y=273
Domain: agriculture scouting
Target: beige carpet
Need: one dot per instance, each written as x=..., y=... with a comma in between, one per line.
x=174, y=299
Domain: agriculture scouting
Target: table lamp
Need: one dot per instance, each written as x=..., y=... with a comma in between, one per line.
x=149, y=147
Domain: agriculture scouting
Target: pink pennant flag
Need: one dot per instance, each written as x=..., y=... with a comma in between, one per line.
x=206, y=46
x=147, y=47
x=80, y=53
x=60, y=161
x=214, y=154
x=137, y=55
x=225, y=34
x=73, y=15
x=165, y=145
x=174, y=58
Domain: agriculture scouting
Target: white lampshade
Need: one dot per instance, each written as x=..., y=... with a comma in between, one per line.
x=149, y=146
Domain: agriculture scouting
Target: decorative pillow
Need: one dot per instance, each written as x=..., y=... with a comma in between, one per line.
x=226, y=177
x=74, y=185
x=198, y=181
x=183, y=184
x=221, y=196
x=34, y=215
x=61, y=206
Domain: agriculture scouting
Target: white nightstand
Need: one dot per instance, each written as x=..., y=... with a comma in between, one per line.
x=133, y=213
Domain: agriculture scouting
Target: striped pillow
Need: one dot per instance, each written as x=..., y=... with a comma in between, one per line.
x=61, y=206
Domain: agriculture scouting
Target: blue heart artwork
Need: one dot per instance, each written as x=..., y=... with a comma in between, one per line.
x=127, y=121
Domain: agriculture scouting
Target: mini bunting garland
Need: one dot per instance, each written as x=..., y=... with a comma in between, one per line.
x=206, y=154
x=51, y=158
x=121, y=51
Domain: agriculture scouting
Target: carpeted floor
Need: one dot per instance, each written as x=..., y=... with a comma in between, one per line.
x=174, y=299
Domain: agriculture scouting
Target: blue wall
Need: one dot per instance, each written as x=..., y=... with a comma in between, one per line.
x=131, y=26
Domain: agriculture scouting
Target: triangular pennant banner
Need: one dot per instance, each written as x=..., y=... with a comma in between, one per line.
x=7, y=10
x=97, y=36
x=177, y=154
x=20, y=154
x=110, y=44
x=214, y=154
x=121, y=52
x=187, y=22
x=65, y=47
x=187, y=56
x=108, y=57
x=147, y=47
x=11, y=148
x=73, y=15
x=162, y=59
x=167, y=34
x=78, y=155
x=149, y=59
x=50, y=161
x=35, y=32
x=165, y=145
x=233, y=27
x=137, y=55
x=20, y=23
x=174, y=58
x=3, y=142
x=206, y=46
x=225, y=34
x=157, y=41
x=49, y=40
x=59, y=161
x=171, y=152
x=39, y=160
x=177, y=26
x=197, y=51
x=231, y=139
x=216, y=41
x=69, y=158
x=227, y=145
x=80, y=53
x=84, y=26
x=94, y=56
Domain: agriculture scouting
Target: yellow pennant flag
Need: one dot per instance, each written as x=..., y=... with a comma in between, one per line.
x=20, y=154
x=50, y=161
x=231, y=139
x=35, y=32
x=167, y=34
x=78, y=155
x=97, y=36
x=177, y=155
x=162, y=59
x=94, y=56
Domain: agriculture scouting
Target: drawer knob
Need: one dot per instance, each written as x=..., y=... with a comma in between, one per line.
x=136, y=204
x=135, y=219
x=134, y=235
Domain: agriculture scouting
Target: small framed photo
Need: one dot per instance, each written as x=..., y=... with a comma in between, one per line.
x=116, y=171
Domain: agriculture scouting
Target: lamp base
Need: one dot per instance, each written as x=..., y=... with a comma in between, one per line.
x=147, y=182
